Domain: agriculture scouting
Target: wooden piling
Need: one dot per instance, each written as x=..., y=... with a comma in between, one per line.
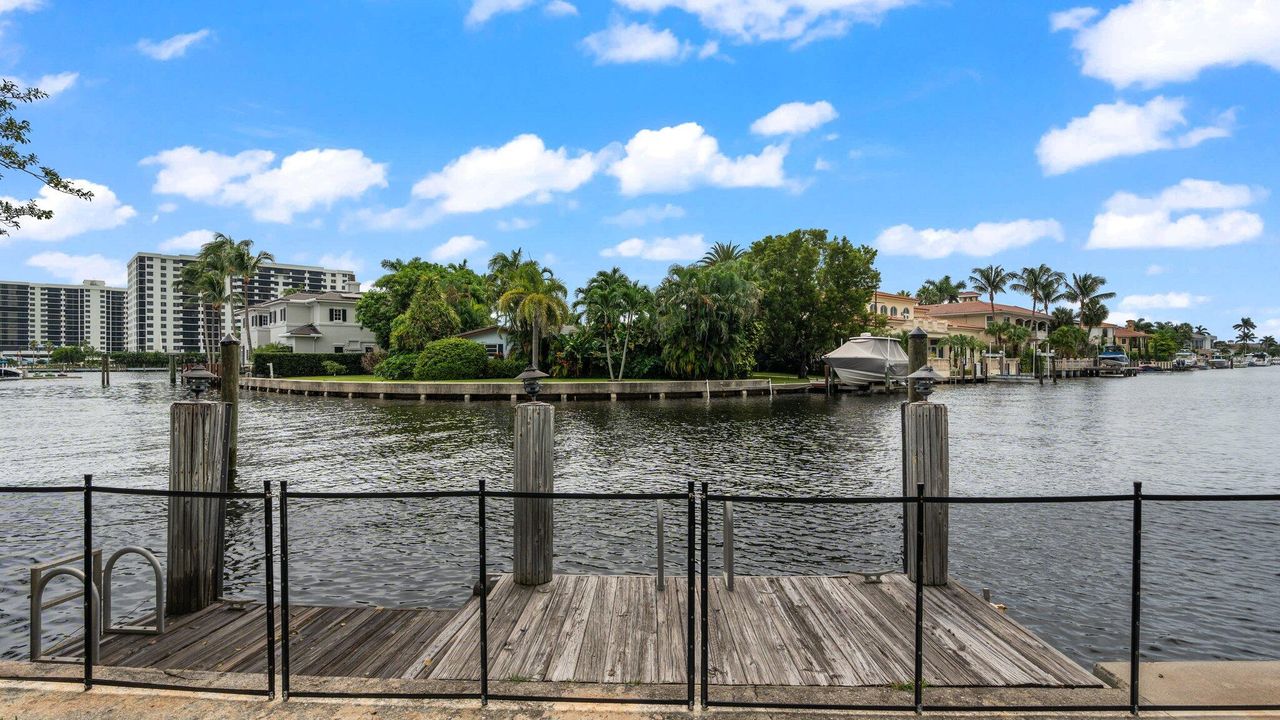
x=925, y=459
x=917, y=357
x=173, y=369
x=534, y=472
x=106, y=370
x=199, y=449
x=229, y=367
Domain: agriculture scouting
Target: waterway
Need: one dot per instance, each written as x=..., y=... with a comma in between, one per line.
x=1211, y=572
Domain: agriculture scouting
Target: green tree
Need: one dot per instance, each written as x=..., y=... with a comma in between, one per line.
x=704, y=320
x=535, y=298
x=1041, y=284
x=814, y=290
x=428, y=317
x=1164, y=343
x=1062, y=316
x=942, y=290
x=991, y=280
x=242, y=262
x=1244, y=330
x=203, y=283
x=1095, y=313
x=1067, y=340
x=15, y=134
x=467, y=294
x=722, y=252
x=1085, y=290
x=611, y=304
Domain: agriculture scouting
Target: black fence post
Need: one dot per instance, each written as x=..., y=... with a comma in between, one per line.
x=919, y=565
x=689, y=595
x=88, y=582
x=902, y=454
x=484, y=602
x=271, y=590
x=1135, y=608
x=704, y=642
x=284, y=589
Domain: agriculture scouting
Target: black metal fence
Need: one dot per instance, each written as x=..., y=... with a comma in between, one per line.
x=696, y=520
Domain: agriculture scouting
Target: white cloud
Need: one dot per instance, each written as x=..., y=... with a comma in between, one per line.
x=174, y=47
x=1157, y=269
x=303, y=181
x=1162, y=301
x=763, y=20
x=491, y=178
x=634, y=42
x=1152, y=42
x=678, y=158
x=1120, y=129
x=709, y=49
x=186, y=241
x=668, y=249
x=1130, y=221
x=7, y=6
x=559, y=8
x=456, y=248
x=795, y=118
x=516, y=223
x=167, y=207
x=982, y=240
x=821, y=165
x=345, y=261
x=71, y=215
x=1072, y=19
x=52, y=85
x=635, y=217
x=77, y=268
x=483, y=10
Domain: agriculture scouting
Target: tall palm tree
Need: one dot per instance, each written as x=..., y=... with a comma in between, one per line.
x=942, y=290
x=1085, y=290
x=1244, y=330
x=502, y=266
x=1094, y=314
x=205, y=285
x=601, y=302
x=722, y=252
x=991, y=281
x=243, y=263
x=1062, y=316
x=537, y=297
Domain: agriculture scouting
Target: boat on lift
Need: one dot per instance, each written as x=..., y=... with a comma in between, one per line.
x=1185, y=360
x=869, y=360
x=1259, y=359
x=1113, y=356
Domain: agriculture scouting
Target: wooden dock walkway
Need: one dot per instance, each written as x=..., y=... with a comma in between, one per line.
x=769, y=631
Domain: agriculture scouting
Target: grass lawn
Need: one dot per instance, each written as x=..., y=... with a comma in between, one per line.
x=776, y=377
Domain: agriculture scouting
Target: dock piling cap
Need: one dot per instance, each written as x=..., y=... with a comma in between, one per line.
x=229, y=339
x=918, y=333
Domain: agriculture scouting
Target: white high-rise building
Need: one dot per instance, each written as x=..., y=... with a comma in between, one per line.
x=160, y=318
x=89, y=313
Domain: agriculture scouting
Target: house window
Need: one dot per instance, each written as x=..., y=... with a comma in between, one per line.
x=282, y=314
x=893, y=312
x=337, y=314
x=906, y=312
x=338, y=348
x=493, y=349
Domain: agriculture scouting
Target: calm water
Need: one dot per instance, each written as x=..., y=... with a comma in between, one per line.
x=1211, y=571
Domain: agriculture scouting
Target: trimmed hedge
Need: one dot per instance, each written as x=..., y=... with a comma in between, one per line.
x=502, y=369
x=450, y=359
x=152, y=359
x=304, y=364
x=397, y=367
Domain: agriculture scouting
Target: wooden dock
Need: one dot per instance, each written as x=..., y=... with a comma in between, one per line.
x=833, y=631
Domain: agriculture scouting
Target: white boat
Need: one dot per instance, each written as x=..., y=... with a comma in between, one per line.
x=869, y=360
x=1113, y=356
x=1218, y=362
x=1259, y=359
x=1185, y=360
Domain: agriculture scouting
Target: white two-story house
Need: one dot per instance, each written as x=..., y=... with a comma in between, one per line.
x=311, y=323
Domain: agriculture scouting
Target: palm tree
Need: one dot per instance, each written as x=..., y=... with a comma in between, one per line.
x=1061, y=317
x=991, y=280
x=1146, y=326
x=600, y=301
x=1268, y=343
x=1094, y=314
x=942, y=290
x=536, y=297
x=1084, y=290
x=204, y=283
x=243, y=263
x=722, y=252
x=1244, y=330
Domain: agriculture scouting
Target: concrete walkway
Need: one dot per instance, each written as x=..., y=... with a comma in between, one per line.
x=1200, y=683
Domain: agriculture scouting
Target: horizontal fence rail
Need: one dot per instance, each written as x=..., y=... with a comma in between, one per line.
x=697, y=568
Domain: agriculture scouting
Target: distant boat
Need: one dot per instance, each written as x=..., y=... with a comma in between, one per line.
x=868, y=360
x=1218, y=362
x=1259, y=359
x=1113, y=356
x=1185, y=360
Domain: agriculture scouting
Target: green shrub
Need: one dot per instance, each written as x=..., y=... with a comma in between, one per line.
x=273, y=348
x=302, y=364
x=502, y=368
x=373, y=359
x=450, y=359
x=331, y=367
x=152, y=359
x=397, y=367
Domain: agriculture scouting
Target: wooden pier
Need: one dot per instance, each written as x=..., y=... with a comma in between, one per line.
x=806, y=631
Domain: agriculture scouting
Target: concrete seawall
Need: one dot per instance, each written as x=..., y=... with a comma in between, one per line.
x=559, y=391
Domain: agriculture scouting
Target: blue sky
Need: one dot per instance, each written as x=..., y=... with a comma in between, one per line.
x=1136, y=140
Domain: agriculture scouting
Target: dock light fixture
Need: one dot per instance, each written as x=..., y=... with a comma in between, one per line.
x=923, y=381
x=532, y=379
x=198, y=379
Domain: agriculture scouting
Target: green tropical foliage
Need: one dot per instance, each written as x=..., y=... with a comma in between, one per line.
x=942, y=290
x=722, y=252
x=533, y=301
x=1068, y=340
x=705, y=320
x=450, y=359
x=1245, y=330
x=814, y=292
x=1086, y=292
x=1062, y=317
x=429, y=317
x=612, y=306
x=466, y=293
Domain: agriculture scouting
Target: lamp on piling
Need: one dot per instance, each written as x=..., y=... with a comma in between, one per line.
x=198, y=379
x=532, y=379
x=923, y=380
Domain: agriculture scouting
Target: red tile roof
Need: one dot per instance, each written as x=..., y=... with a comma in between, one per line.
x=975, y=308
